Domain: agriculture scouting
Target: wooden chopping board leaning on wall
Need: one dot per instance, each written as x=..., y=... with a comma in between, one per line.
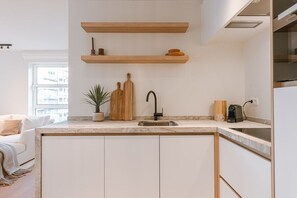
x=128, y=99
x=116, y=104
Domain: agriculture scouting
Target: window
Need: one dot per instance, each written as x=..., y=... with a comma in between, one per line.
x=49, y=90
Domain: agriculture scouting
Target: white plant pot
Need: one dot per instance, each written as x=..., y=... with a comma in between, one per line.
x=98, y=117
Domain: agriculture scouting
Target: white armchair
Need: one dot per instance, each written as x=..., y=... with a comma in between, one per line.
x=24, y=143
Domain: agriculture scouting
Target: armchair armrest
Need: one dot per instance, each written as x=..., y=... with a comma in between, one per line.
x=28, y=137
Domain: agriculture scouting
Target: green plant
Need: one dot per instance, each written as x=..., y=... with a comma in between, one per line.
x=97, y=97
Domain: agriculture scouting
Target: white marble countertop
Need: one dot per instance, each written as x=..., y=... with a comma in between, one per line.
x=184, y=127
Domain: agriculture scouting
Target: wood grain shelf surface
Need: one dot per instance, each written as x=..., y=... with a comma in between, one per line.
x=135, y=27
x=288, y=23
x=285, y=58
x=285, y=84
x=134, y=59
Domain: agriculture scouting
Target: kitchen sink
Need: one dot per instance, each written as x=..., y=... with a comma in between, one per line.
x=157, y=123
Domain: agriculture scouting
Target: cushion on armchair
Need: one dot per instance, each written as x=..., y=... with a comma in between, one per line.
x=32, y=122
x=10, y=127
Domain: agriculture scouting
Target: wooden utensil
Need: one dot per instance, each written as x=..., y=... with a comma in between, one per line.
x=116, y=103
x=128, y=98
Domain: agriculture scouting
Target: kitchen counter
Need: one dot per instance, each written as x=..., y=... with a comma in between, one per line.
x=126, y=128
x=185, y=127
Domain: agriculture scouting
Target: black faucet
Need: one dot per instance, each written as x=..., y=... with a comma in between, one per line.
x=156, y=115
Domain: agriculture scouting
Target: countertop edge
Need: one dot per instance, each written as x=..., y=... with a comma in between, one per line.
x=256, y=145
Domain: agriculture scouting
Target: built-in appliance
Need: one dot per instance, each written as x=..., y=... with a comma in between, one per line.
x=235, y=113
x=262, y=133
x=285, y=41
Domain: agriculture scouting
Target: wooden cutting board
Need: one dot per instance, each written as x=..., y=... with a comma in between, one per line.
x=220, y=110
x=116, y=103
x=128, y=99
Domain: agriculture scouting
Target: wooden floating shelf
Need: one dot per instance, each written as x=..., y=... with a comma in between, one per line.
x=285, y=59
x=288, y=23
x=135, y=59
x=285, y=84
x=132, y=27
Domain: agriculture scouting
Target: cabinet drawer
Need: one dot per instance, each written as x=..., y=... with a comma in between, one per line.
x=247, y=173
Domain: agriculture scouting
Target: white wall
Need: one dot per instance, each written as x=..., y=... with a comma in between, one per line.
x=257, y=75
x=28, y=25
x=213, y=71
x=13, y=83
x=34, y=24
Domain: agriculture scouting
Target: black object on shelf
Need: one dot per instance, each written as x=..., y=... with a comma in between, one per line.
x=100, y=51
x=93, y=52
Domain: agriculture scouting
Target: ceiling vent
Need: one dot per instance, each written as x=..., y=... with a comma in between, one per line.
x=257, y=8
x=243, y=24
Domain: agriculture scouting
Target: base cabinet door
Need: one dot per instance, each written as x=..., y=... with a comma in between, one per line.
x=187, y=166
x=132, y=167
x=72, y=166
x=226, y=191
x=247, y=173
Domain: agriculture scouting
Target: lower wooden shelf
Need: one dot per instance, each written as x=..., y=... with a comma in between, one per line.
x=134, y=59
x=285, y=59
x=285, y=84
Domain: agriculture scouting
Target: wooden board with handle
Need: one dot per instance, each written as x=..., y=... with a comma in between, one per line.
x=128, y=99
x=116, y=103
x=220, y=110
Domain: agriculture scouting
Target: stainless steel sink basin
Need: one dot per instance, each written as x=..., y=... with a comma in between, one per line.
x=157, y=123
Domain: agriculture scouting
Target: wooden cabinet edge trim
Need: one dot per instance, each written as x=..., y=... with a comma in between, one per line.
x=128, y=134
x=220, y=177
x=285, y=84
x=217, y=165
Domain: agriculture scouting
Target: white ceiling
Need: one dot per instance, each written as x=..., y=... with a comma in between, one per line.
x=34, y=24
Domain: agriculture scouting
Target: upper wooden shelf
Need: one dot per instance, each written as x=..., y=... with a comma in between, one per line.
x=133, y=27
x=134, y=59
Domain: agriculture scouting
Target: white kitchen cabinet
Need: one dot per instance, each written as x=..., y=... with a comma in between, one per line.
x=72, y=166
x=285, y=136
x=226, y=191
x=132, y=167
x=247, y=173
x=187, y=166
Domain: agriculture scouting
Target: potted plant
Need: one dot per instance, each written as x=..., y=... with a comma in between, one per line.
x=97, y=97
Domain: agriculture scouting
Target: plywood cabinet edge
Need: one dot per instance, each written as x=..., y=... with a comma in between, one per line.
x=135, y=27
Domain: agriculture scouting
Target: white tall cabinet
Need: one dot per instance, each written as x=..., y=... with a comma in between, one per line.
x=187, y=166
x=132, y=167
x=72, y=166
x=285, y=136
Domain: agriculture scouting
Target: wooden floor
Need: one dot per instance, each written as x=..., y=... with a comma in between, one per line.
x=22, y=188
